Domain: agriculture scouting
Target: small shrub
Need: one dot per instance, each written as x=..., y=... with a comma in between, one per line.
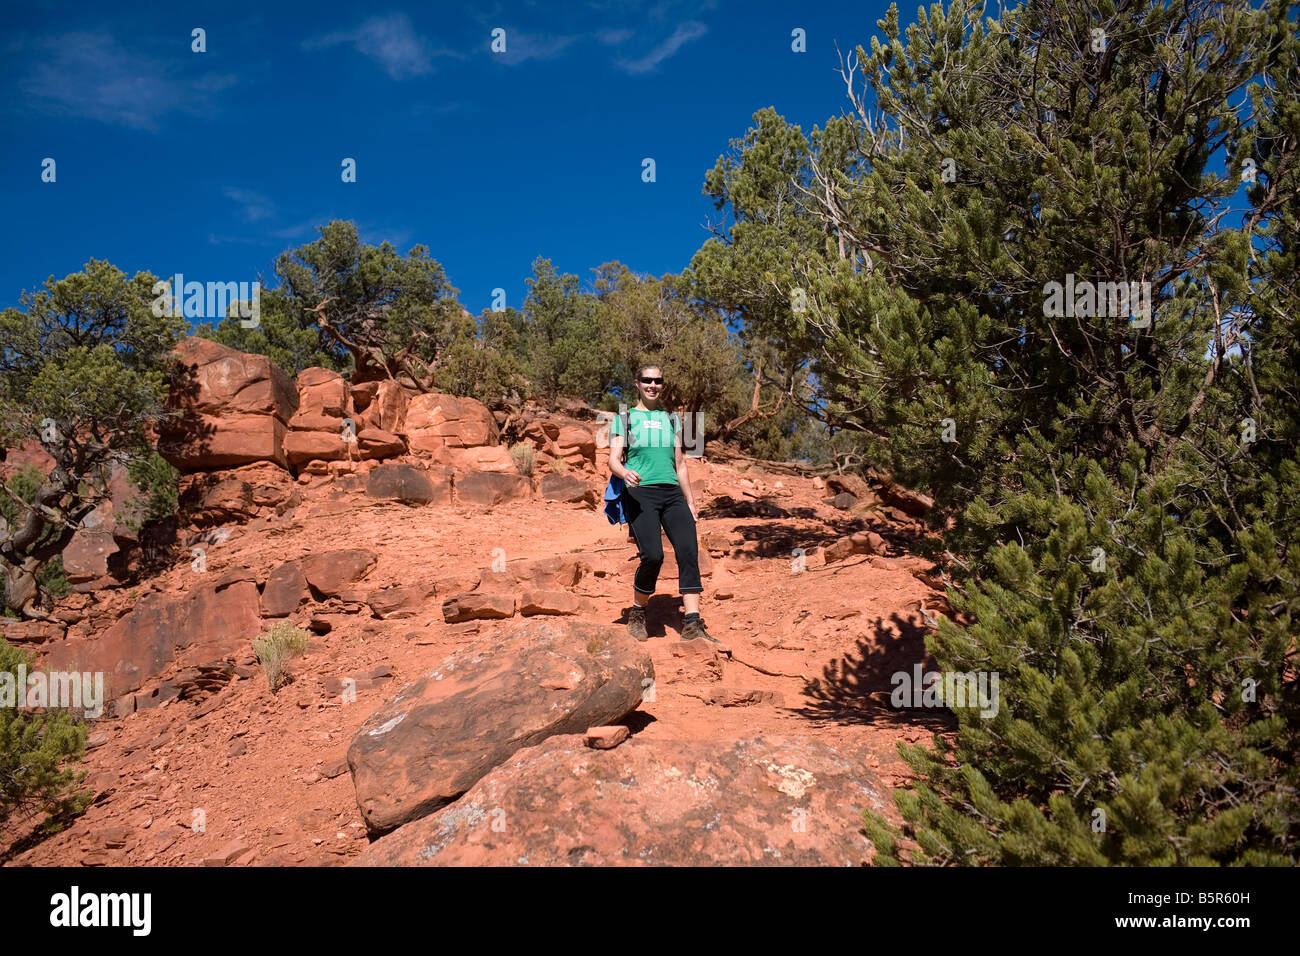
x=275, y=648
x=53, y=579
x=525, y=456
x=38, y=752
x=157, y=491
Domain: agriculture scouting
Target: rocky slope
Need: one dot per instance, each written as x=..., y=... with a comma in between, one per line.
x=399, y=531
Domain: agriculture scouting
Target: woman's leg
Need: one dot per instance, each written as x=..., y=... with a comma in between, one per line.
x=679, y=525
x=642, y=511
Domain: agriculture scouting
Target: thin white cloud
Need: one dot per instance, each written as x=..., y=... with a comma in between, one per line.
x=91, y=75
x=613, y=37
x=534, y=46
x=223, y=240
x=306, y=227
x=253, y=207
x=685, y=33
x=391, y=41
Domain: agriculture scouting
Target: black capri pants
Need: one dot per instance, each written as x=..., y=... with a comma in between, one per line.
x=649, y=507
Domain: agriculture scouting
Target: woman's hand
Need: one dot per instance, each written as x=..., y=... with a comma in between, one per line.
x=631, y=477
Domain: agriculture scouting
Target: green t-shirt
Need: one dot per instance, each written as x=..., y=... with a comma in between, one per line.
x=652, y=454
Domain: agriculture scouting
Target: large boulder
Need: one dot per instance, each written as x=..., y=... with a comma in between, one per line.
x=542, y=433
x=385, y=408
x=217, y=498
x=495, y=458
x=407, y=483
x=435, y=421
x=552, y=573
x=302, y=445
x=317, y=432
x=489, y=488
x=322, y=392
x=478, y=606
x=235, y=408
x=549, y=602
x=93, y=552
x=453, y=724
x=285, y=589
x=375, y=443
x=399, y=602
x=208, y=624
x=329, y=572
x=565, y=487
x=101, y=546
x=576, y=445
x=757, y=801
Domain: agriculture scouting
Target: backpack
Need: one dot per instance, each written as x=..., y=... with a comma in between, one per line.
x=626, y=418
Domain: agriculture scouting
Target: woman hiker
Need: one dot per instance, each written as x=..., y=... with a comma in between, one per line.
x=658, y=494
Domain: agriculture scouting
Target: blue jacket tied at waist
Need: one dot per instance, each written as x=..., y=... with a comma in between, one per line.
x=614, y=500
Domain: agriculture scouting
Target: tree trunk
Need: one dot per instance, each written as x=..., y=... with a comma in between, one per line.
x=22, y=591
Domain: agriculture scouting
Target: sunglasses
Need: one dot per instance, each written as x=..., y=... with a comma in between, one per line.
x=652, y=381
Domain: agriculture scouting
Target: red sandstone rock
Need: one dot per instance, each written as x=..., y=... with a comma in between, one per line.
x=491, y=488
x=486, y=458
x=605, y=738
x=567, y=488
x=548, y=602
x=759, y=801
x=285, y=590
x=386, y=411
x=374, y=443
x=465, y=716
x=329, y=572
x=477, y=605
x=408, y=483
x=236, y=409
x=206, y=625
x=553, y=573
x=435, y=421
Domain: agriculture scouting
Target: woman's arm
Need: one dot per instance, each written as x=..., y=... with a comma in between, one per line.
x=616, y=465
x=683, y=478
x=616, y=454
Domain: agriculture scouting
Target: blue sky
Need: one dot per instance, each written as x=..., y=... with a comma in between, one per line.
x=213, y=163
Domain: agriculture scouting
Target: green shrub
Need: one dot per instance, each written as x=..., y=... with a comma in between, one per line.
x=159, y=485
x=38, y=753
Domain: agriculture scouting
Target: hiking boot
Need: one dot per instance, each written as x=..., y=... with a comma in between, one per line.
x=636, y=622
x=694, y=629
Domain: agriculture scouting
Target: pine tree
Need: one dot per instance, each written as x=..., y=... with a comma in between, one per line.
x=1123, y=481
x=84, y=370
x=38, y=753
